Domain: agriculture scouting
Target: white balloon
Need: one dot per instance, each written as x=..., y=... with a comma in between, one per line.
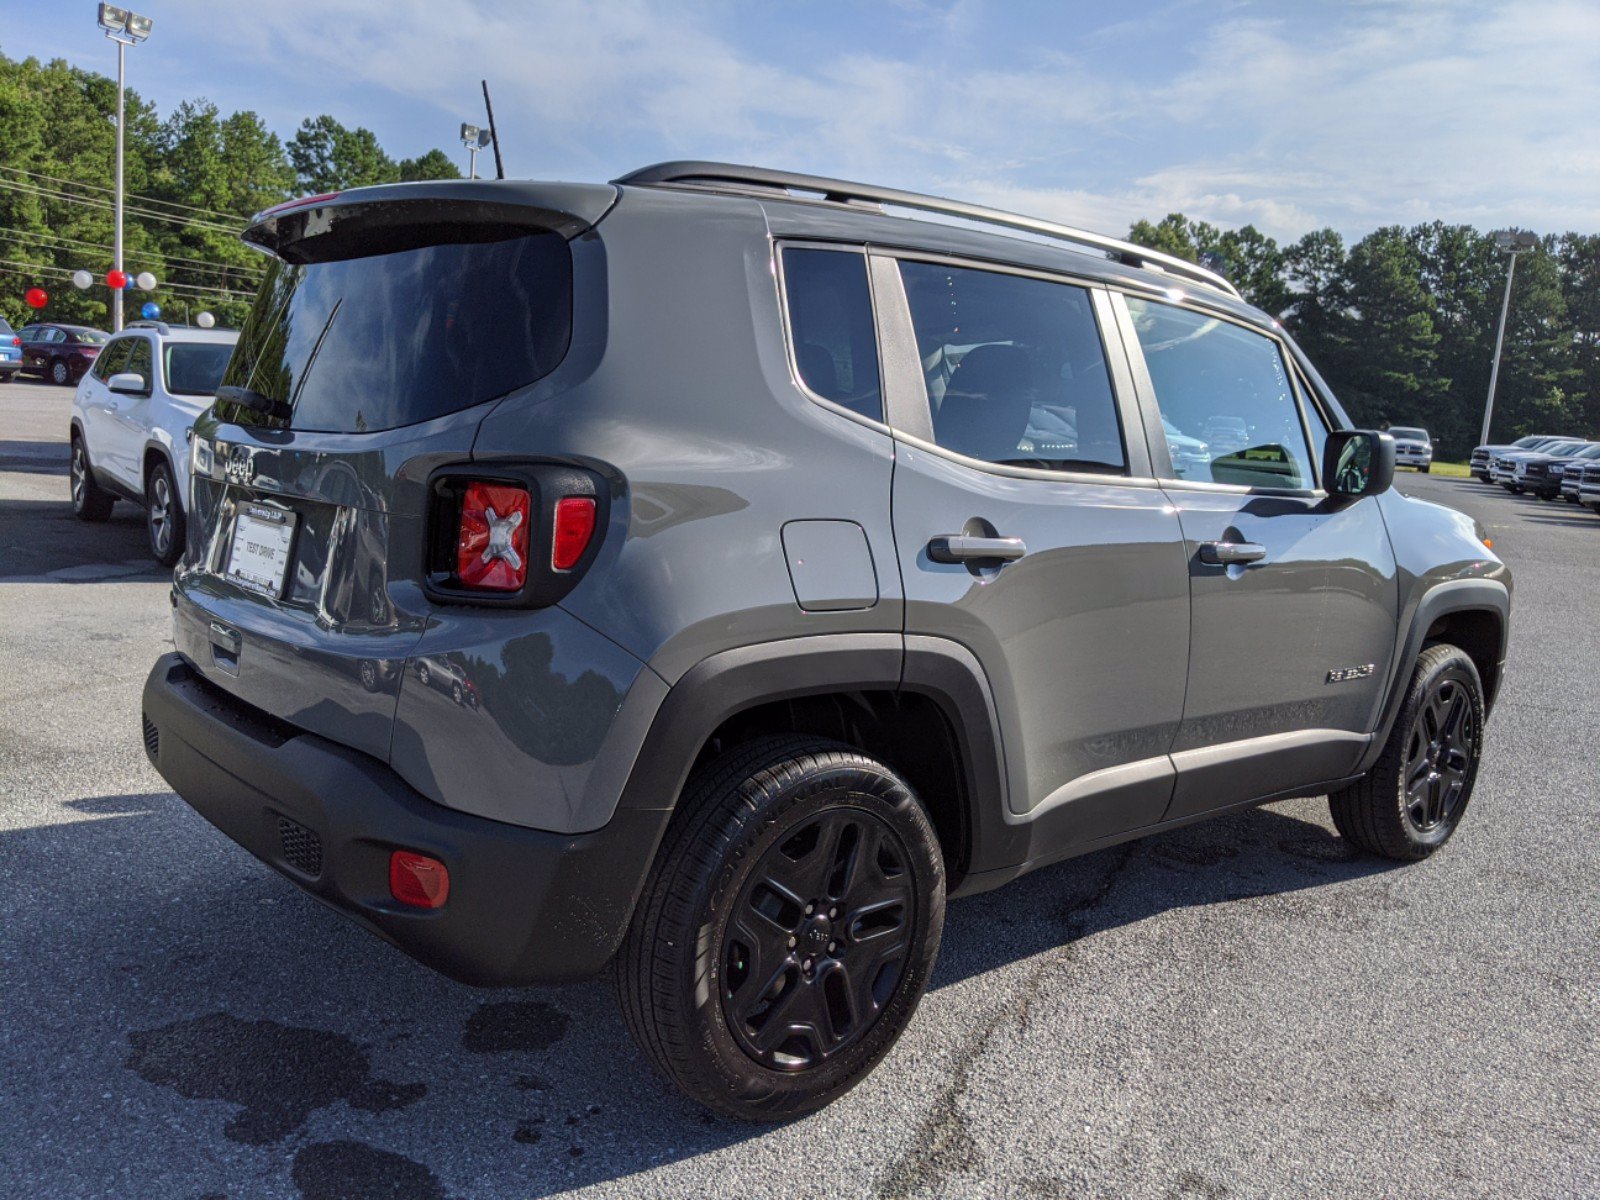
x=146, y=281
x=81, y=279
x=205, y=320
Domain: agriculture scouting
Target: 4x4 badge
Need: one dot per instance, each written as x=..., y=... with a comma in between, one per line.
x=1342, y=674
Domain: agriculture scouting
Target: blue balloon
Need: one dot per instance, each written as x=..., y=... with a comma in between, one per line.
x=151, y=310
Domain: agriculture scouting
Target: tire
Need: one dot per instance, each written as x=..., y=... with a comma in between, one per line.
x=423, y=674
x=717, y=956
x=164, y=522
x=1437, y=741
x=90, y=502
x=457, y=694
x=1428, y=469
x=367, y=669
x=60, y=373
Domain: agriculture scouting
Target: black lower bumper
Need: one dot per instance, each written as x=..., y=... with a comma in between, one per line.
x=525, y=906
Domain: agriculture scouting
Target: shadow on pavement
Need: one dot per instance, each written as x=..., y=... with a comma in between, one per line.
x=42, y=542
x=197, y=975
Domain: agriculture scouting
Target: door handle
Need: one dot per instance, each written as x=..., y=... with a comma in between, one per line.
x=961, y=547
x=1220, y=554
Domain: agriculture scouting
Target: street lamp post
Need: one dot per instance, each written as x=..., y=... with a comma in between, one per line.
x=125, y=29
x=474, y=139
x=1512, y=244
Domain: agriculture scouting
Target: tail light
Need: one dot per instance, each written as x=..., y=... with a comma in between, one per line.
x=574, y=528
x=521, y=537
x=492, y=539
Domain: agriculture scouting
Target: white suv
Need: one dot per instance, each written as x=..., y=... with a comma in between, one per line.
x=130, y=424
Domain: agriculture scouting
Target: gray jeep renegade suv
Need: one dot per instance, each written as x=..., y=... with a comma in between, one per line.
x=806, y=562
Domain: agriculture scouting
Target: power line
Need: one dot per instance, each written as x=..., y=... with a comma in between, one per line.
x=95, y=187
x=190, y=264
x=34, y=270
x=90, y=202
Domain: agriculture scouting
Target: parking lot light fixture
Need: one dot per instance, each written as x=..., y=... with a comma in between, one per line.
x=474, y=139
x=126, y=29
x=1512, y=243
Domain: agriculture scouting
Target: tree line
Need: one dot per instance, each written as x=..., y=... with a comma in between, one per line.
x=1401, y=323
x=192, y=181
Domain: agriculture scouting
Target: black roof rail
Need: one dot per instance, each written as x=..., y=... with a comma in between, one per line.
x=731, y=177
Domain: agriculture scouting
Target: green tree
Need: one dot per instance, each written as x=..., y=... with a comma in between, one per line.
x=435, y=164
x=327, y=157
x=1248, y=258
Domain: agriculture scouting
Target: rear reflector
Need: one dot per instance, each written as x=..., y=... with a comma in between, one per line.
x=574, y=528
x=418, y=880
x=492, y=541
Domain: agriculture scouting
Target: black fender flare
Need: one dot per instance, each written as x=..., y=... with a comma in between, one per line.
x=733, y=680
x=1442, y=599
x=144, y=469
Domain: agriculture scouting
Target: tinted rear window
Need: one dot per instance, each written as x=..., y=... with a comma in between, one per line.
x=384, y=340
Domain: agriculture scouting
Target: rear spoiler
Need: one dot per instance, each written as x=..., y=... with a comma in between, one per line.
x=347, y=224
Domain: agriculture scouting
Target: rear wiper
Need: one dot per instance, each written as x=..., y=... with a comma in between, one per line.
x=256, y=402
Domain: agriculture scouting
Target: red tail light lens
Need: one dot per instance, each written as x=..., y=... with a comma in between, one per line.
x=574, y=528
x=418, y=880
x=492, y=541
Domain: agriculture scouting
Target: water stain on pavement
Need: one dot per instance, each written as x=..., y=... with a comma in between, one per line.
x=355, y=1171
x=278, y=1074
x=514, y=1025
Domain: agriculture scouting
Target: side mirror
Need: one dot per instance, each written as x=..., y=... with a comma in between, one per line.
x=129, y=383
x=1357, y=463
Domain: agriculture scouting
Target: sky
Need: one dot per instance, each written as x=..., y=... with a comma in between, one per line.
x=1289, y=116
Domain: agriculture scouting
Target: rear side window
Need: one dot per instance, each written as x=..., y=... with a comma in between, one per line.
x=374, y=342
x=1015, y=369
x=1226, y=390
x=830, y=320
x=194, y=368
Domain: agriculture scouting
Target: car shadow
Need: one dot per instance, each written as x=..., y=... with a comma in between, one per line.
x=45, y=543
x=217, y=1005
x=34, y=457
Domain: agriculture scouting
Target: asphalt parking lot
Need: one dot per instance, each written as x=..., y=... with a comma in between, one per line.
x=1243, y=1008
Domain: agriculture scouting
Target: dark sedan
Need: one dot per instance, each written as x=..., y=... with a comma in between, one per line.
x=60, y=353
x=1546, y=477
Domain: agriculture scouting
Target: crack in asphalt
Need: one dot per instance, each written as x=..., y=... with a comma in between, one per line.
x=943, y=1145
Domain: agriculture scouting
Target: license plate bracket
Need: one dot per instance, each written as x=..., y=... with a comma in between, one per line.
x=259, y=555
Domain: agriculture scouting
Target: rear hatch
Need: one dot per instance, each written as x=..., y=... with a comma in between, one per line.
x=390, y=322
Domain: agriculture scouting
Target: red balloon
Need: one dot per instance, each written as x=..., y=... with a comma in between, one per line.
x=116, y=279
x=36, y=297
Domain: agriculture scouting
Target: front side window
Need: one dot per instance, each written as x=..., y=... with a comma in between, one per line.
x=1015, y=369
x=1226, y=391
x=830, y=320
x=140, y=361
x=109, y=361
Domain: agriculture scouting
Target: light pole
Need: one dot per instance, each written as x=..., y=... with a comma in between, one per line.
x=125, y=29
x=474, y=139
x=1510, y=243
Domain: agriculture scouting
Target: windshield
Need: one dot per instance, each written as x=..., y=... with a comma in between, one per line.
x=389, y=339
x=1415, y=435
x=194, y=368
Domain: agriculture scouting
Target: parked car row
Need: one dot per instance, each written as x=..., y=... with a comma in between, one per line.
x=131, y=419
x=1545, y=466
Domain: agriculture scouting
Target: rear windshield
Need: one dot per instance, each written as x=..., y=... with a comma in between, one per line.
x=195, y=368
x=88, y=337
x=389, y=339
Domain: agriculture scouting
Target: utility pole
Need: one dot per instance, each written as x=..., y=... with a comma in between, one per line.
x=125, y=29
x=1512, y=244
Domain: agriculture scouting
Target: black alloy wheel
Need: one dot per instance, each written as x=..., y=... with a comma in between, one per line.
x=787, y=930
x=1440, y=755
x=817, y=940
x=1413, y=798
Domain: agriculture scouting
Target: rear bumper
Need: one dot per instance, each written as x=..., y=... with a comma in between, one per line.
x=525, y=906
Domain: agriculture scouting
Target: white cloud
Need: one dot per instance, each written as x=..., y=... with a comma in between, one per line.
x=1354, y=116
